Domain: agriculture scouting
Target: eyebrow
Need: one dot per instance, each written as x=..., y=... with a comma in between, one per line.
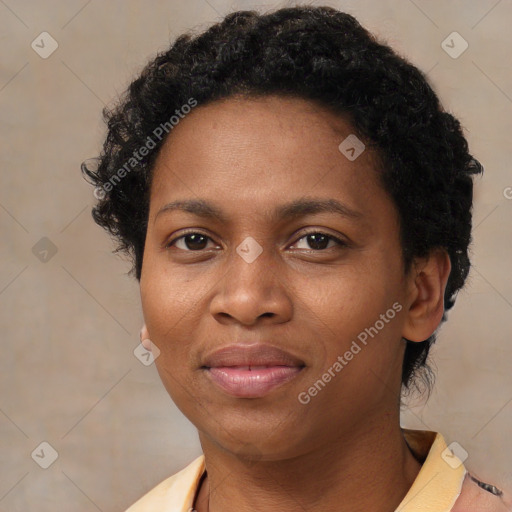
x=294, y=209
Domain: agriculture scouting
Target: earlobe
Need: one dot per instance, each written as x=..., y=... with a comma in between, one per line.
x=426, y=308
x=144, y=338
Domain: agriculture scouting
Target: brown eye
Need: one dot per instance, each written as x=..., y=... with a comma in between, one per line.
x=190, y=242
x=319, y=241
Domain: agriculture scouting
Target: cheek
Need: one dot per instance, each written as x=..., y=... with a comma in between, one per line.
x=350, y=296
x=169, y=296
x=357, y=306
x=168, y=307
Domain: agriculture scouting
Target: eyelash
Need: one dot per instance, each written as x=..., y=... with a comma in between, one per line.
x=340, y=242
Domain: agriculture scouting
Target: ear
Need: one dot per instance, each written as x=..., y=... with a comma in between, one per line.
x=144, y=338
x=428, y=278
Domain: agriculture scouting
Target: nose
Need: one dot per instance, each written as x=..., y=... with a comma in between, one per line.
x=252, y=291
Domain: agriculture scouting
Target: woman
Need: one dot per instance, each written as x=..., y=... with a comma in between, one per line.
x=298, y=208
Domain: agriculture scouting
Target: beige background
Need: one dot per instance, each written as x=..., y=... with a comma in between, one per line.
x=68, y=375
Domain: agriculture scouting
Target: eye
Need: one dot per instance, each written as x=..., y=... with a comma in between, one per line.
x=195, y=241
x=319, y=241
x=192, y=242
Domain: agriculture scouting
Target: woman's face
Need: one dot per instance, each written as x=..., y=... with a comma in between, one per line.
x=258, y=277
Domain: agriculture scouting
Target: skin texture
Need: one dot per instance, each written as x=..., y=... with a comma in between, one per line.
x=248, y=156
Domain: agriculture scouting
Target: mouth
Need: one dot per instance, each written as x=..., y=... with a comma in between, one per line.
x=251, y=371
x=251, y=381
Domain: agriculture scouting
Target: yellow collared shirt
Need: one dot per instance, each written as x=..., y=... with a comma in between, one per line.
x=442, y=485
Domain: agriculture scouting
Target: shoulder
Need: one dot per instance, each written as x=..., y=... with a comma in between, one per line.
x=479, y=496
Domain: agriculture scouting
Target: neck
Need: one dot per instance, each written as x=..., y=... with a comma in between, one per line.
x=370, y=470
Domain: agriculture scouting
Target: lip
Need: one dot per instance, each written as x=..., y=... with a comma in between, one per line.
x=259, y=354
x=251, y=371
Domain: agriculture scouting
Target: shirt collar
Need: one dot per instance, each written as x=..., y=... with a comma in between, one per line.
x=439, y=482
x=435, y=489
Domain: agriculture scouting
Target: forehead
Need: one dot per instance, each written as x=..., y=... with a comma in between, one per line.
x=257, y=152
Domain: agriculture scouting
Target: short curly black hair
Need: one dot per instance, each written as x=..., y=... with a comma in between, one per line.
x=325, y=56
